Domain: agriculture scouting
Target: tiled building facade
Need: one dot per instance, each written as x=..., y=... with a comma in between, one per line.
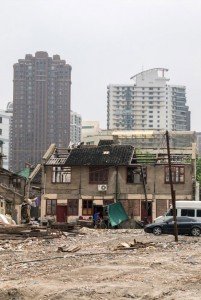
x=41, y=107
x=151, y=103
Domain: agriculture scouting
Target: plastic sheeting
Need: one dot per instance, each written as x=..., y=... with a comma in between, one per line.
x=116, y=214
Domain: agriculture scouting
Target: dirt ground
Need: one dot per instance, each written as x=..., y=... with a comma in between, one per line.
x=157, y=269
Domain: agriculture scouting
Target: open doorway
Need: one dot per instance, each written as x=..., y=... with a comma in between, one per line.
x=98, y=209
x=146, y=211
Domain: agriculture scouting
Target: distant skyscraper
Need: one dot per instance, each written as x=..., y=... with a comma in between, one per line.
x=41, y=107
x=75, y=127
x=148, y=104
x=5, y=120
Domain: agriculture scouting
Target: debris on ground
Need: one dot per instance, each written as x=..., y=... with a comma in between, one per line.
x=83, y=265
x=68, y=249
x=134, y=245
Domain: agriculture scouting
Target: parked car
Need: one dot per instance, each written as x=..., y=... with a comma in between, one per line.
x=185, y=225
x=189, y=208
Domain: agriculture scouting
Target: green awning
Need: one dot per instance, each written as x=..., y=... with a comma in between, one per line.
x=116, y=214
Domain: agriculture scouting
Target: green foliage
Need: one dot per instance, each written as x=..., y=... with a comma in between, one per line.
x=198, y=169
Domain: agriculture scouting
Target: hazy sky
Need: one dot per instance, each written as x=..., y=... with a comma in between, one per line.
x=105, y=41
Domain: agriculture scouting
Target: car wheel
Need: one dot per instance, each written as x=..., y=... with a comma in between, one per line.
x=195, y=231
x=157, y=230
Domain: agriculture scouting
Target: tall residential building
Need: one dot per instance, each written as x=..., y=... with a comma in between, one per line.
x=75, y=127
x=148, y=104
x=5, y=121
x=41, y=107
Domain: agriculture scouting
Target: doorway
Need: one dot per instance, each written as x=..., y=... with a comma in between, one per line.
x=61, y=213
x=146, y=211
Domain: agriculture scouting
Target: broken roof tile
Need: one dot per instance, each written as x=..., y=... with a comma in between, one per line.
x=111, y=155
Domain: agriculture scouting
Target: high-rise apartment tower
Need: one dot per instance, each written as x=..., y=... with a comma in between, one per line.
x=5, y=122
x=75, y=127
x=41, y=107
x=148, y=104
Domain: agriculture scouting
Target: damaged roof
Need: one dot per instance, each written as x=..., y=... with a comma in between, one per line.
x=57, y=159
x=110, y=155
x=106, y=142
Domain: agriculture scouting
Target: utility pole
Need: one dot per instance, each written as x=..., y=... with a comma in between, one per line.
x=172, y=189
x=145, y=192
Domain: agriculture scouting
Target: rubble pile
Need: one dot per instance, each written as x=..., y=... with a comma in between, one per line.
x=100, y=264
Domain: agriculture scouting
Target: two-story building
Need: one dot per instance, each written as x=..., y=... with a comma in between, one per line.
x=77, y=179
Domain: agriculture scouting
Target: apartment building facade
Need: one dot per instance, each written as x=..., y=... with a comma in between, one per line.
x=5, y=122
x=148, y=104
x=41, y=107
x=75, y=127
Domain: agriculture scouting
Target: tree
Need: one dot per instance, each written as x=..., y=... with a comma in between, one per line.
x=198, y=170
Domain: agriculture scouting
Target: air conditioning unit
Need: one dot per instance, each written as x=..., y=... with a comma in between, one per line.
x=102, y=187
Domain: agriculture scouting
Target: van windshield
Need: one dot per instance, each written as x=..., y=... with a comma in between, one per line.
x=170, y=212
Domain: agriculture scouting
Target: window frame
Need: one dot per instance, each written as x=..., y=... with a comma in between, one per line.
x=186, y=212
x=178, y=171
x=60, y=174
x=53, y=211
x=88, y=208
x=73, y=210
x=17, y=183
x=98, y=175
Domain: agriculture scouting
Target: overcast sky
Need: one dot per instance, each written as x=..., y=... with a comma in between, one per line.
x=105, y=41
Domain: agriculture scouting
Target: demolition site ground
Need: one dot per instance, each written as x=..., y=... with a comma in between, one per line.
x=100, y=264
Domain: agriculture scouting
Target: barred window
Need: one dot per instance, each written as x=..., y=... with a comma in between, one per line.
x=61, y=174
x=178, y=174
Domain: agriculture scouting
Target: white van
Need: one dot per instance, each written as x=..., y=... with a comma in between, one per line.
x=183, y=208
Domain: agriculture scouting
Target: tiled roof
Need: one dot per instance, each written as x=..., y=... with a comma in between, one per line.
x=113, y=155
x=105, y=142
x=56, y=161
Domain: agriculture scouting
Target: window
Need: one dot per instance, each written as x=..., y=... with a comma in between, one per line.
x=0, y=119
x=178, y=174
x=61, y=174
x=51, y=207
x=98, y=175
x=87, y=207
x=187, y=212
x=0, y=131
x=73, y=207
x=134, y=174
x=17, y=183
